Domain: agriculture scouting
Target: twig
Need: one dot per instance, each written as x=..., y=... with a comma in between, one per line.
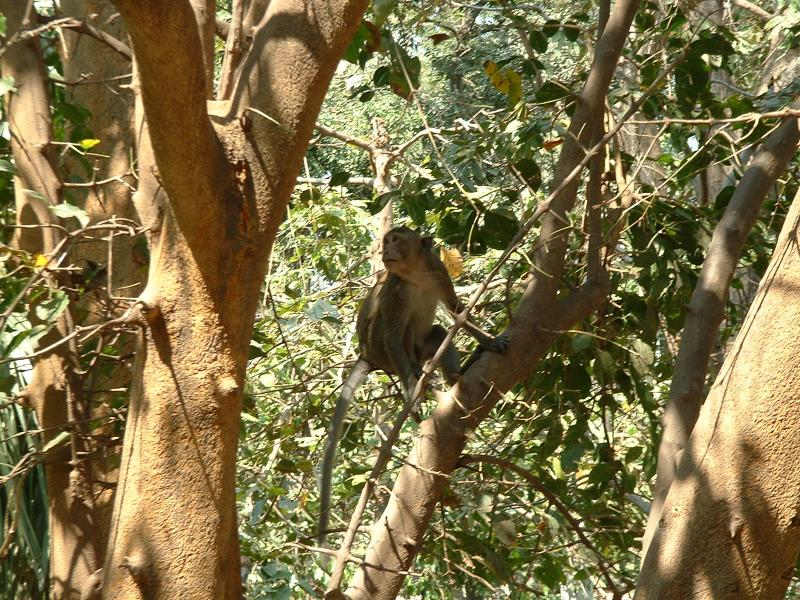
x=745, y=118
x=537, y=484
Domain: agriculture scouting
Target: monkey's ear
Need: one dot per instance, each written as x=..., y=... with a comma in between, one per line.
x=427, y=243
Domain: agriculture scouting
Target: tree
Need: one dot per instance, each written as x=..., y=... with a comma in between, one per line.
x=218, y=191
x=728, y=526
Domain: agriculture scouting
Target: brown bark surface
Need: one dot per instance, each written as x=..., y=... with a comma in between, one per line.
x=730, y=527
x=228, y=184
x=707, y=307
x=53, y=390
x=93, y=72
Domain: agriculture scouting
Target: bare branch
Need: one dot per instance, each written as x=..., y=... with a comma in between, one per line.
x=346, y=138
x=233, y=51
x=753, y=8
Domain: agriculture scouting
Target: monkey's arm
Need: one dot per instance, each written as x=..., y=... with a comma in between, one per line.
x=356, y=377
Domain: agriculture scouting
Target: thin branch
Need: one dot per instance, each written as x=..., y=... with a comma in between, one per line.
x=537, y=484
x=745, y=118
x=346, y=138
x=50, y=24
x=417, y=137
x=384, y=455
x=233, y=51
x=753, y=8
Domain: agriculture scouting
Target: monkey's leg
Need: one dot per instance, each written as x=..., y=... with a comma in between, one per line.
x=356, y=377
x=451, y=362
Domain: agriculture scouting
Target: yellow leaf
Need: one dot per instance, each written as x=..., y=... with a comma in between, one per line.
x=453, y=261
x=490, y=67
x=40, y=261
x=89, y=143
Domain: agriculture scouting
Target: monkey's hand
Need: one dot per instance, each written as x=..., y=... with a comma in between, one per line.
x=498, y=344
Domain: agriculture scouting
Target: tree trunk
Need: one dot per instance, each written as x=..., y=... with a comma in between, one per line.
x=54, y=389
x=90, y=68
x=707, y=307
x=730, y=527
x=228, y=184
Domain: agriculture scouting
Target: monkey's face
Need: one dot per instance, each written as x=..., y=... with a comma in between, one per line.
x=398, y=247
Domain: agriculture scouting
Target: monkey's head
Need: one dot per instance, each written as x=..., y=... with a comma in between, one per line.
x=403, y=249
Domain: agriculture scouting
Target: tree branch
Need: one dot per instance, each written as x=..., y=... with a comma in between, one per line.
x=189, y=156
x=346, y=138
x=234, y=47
x=398, y=534
x=753, y=8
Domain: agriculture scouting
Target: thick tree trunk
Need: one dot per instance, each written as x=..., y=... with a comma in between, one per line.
x=228, y=184
x=730, y=524
x=707, y=308
x=90, y=70
x=54, y=390
x=398, y=534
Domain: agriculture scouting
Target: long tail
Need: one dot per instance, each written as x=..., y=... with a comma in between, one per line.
x=356, y=377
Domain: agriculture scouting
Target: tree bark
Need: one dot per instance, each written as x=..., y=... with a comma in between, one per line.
x=54, y=389
x=729, y=527
x=397, y=535
x=706, y=308
x=94, y=66
x=228, y=184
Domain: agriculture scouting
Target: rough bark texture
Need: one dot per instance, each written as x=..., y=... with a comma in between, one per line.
x=94, y=72
x=174, y=529
x=707, y=307
x=398, y=534
x=53, y=390
x=730, y=527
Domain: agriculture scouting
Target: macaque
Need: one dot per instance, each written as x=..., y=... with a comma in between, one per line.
x=397, y=334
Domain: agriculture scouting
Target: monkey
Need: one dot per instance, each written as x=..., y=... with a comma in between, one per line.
x=397, y=334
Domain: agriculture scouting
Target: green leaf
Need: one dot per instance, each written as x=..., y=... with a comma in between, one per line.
x=604, y=366
x=66, y=210
x=551, y=28
x=360, y=37
x=321, y=309
x=382, y=76
x=382, y=9
x=571, y=456
x=498, y=229
x=6, y=166
x=56, y=441
x=581, y=341
x=339, y=178
x=49, y=309
x=572, y=33
x=34, y=194
x=2, y=24
x=631, y=454
x=642, y=357
x=531, y=172
x=538, y=41
x=551, y=91
x=601, y=473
